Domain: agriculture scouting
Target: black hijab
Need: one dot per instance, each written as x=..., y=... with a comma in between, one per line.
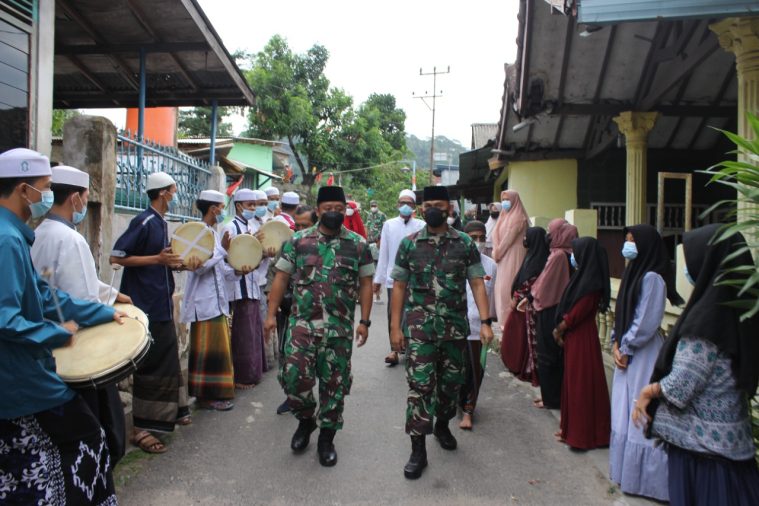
x=592, y=275
x=708, y=314
x=652, y=256
x=535, y=260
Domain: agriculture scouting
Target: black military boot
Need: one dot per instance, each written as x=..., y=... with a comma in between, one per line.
x=326, y=449
x=443, y=435
x=302, y=435
x=418, y=460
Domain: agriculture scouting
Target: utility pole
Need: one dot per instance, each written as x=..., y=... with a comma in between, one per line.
x=434, y=96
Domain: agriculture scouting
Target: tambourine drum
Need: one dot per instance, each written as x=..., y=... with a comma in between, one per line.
x=132, y=312
x=276, y=233
x=244, y=250
x=103, y=354
x=193, y=239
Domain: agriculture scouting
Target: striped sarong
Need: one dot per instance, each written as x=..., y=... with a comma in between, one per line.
x=211, y=376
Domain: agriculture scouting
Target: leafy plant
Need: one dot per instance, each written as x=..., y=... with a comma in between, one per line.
x=743, y=176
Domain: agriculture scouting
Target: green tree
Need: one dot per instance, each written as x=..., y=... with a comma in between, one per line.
x=196, y=122
x=294, y=101
x=60, y=117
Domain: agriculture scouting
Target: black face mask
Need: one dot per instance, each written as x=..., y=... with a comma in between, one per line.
x=333, y=220
x=435, y=217
x=495, y=215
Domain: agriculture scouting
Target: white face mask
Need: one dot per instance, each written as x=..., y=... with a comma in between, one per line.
x=349, y=211
x=451, y=220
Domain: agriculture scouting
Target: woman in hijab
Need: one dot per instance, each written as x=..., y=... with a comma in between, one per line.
x=544, y=297
x=634, y=463
x=518, y=348
x=494, y=211
x=508, y=250
x=704, y=377
x=585, y=419
x=353, y=220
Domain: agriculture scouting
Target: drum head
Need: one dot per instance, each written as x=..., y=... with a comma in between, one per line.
x=100, y=350
x=132, y=312
x=193, y=239
x=244, y=250
x=276, y=233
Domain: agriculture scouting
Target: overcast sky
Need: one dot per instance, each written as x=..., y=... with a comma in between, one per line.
x=380, y=47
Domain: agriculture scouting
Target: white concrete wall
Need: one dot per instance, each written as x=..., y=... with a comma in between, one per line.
x=41, y=78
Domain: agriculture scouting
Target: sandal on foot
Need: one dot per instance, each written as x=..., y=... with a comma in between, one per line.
x=216, y=405
x=244, y=386
x=185, y=420
x=392, y=358
x=538, y=404
x=148, y=443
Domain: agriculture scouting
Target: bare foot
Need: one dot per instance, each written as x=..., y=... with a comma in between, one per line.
x=466, y=422
x=558, y=437
x=538, y=403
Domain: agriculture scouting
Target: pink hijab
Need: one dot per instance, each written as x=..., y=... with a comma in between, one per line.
x=510, y=227
x=549, y=287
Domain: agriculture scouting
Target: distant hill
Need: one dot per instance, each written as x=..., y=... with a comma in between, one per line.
x=421, y=149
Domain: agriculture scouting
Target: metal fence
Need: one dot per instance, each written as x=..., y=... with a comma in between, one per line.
x=135, y=160
x=611, y=216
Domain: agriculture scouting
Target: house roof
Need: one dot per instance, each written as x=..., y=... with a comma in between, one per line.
x=569, y=82
x=97, y=55
x=482, y=133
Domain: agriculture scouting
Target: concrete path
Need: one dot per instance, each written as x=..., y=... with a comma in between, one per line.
x=243, y=456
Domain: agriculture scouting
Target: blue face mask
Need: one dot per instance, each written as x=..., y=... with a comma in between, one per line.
x=573, y=261
x=221, y=217
x=505, y=205
x=41, y=208
x=248, y=214
x=261, y=211
x=78, y=216
x=629, y=250
x=405, y=210
x=688, y=276
x=272, y=205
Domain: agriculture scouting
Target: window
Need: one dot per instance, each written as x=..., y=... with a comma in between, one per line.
x=14, y=86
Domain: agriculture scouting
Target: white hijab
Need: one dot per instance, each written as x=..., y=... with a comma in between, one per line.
x=490, y=224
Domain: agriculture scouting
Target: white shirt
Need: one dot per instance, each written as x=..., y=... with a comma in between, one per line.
x=259, y=275
x=205, y=293
x=65, y=252
x=249, y=282
x=393, y=232
x=283, y=218
x=472, y=313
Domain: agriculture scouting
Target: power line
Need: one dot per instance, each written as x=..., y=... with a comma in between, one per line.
x=434, y=96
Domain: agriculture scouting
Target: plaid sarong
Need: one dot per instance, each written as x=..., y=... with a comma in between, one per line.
x=211, y=376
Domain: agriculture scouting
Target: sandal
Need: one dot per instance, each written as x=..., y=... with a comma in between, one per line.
x=244, y=386
x=216, y=405
x=185, y=420
x=538, y=403
x=392, y=358
x=148, y=443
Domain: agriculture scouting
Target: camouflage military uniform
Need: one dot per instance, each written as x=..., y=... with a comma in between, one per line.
x=436, y=268
x=325, y=274
x=374, y=222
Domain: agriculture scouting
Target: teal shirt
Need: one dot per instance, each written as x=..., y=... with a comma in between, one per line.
x=27, y=329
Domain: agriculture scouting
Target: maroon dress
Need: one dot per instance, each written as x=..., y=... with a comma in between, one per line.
x=518, y=346
x=585, y=406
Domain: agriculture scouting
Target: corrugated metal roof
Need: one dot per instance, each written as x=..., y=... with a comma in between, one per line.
x=482, y=133
x=615, y=11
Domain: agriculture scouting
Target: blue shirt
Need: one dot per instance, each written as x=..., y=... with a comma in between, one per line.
x=152, y=286
x=27, y=330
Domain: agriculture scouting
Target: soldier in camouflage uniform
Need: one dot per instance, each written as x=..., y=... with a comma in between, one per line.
x=331, y=270
x=430, y=275
x=374, y=221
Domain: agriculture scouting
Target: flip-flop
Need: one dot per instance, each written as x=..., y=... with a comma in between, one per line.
x=185, y=420
x=392, y=361
x=538, y=404
x=146, y=442
x=244, y=386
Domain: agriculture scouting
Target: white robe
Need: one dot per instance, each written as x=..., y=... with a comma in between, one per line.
x=205, y=293
x=65, y=252
x=393, y=232
x=472, y=313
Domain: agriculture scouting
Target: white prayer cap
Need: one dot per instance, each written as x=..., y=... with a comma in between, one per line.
x=22, y=162
x=290, y=199
x=63, y=174
x=258, y=195
x=159, y=180
x=408, y=194
x=271, y=192
x=244, y=195
x=212, y=196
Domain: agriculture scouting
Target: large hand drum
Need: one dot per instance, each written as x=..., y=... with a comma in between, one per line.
x=276, y=233
x=132, y=312
x=103, y=354
x=193, y=239
x=244, y=250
